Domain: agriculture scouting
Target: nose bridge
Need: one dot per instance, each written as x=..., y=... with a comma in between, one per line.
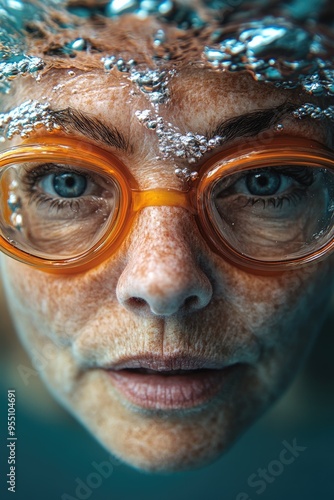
x=162, y=197
x=161, y=236
x=162, y=275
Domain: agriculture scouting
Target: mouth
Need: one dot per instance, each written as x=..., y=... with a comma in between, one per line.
x=175, y=383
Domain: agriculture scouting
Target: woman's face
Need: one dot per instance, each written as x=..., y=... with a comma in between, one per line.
x=165, y=302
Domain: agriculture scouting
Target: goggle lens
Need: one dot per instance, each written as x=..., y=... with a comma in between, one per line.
x=55, y=210
x=274, y=213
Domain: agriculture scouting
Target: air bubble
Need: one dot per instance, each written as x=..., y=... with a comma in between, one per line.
x=274, y=50
x=79, y=44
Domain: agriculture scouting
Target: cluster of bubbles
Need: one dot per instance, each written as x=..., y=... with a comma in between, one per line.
x=26, y=118
x=172, y=143
x=185, y=16
x=258, y=47
x=13, y=59
x=167, y=10
x=153, y=83
x=275, y=51
x=315, y=112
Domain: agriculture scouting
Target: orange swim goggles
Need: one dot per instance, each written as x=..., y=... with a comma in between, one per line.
x=66, y=205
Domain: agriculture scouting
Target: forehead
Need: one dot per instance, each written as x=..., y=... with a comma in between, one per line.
x=184, y=91
x=193, y=99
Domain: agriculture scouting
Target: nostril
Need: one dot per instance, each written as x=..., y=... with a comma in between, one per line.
x=136, y=302
x=141, y=305
x=191, y=302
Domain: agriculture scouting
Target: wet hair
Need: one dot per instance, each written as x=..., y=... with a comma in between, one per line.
x=286, y=43
x=61, y=33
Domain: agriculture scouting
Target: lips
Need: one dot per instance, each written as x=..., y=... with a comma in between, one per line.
x=173, y=383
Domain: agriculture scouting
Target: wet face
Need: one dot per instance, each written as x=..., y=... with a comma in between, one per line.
x=228, y=340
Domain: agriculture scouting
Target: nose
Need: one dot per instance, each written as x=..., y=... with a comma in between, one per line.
x=162, y=275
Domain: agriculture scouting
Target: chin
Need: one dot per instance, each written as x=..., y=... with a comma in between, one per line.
x=163, y=445
x=160, y=441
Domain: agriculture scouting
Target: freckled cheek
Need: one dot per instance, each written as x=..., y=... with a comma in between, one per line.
x=273, y=306
x=50, y=302
x=24, y=283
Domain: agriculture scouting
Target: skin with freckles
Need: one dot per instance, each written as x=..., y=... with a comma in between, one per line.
x=165, y=292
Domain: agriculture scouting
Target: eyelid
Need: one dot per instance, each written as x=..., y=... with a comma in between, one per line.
x=225, y=184
x=76, y=151
x=42, y=169
x=34, y=175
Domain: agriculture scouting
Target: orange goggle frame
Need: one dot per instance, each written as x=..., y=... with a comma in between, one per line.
x=193, y=198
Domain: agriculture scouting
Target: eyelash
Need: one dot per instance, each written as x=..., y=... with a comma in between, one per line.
x=32, y=177
x=278, y=201
x=299, y=174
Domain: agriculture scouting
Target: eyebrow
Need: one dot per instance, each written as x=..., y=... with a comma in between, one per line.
x=246, y=125
x=90, y=126
x=251, y=124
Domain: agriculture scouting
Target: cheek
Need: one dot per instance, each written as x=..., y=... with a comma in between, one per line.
x=265, y=301
x=285, y=314
x=57, y=306
x=280, y=315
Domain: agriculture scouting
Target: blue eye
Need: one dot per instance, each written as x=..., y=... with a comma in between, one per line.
x=263, y=183
x=276, y=186
x=69, y=185
x=65, y=184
